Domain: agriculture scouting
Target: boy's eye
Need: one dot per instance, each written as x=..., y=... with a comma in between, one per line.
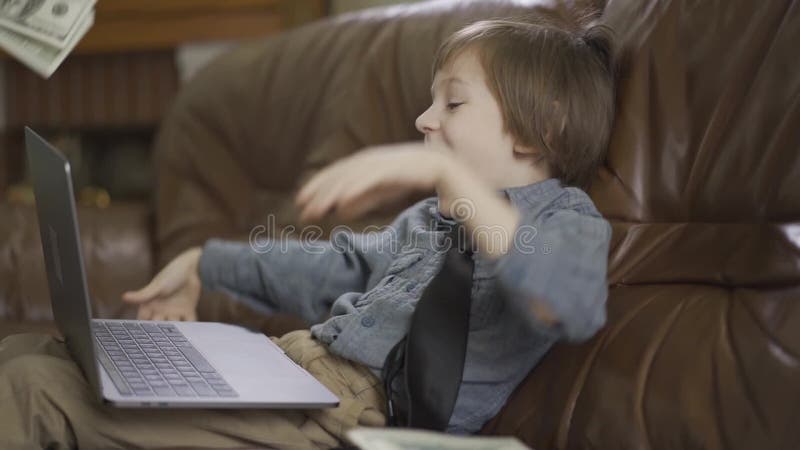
x=453, y=105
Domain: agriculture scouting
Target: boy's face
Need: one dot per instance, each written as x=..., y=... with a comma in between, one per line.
x=465, y=119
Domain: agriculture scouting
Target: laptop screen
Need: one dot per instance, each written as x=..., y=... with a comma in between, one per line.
x=58, y=227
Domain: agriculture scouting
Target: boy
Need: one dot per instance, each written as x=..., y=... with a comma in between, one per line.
x=520, y=115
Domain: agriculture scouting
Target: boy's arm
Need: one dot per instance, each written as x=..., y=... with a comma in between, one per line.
x=299, y=277
x=555, y=272
x=550, y=267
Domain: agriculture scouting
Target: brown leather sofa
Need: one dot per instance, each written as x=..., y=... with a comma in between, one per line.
x=701, y=183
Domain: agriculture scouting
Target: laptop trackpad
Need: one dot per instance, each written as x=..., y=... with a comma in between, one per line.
x=237, y=352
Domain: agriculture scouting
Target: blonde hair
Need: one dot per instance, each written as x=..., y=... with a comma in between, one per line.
x=555, y=88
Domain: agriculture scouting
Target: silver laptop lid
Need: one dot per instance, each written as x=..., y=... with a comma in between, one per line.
x=58, y=227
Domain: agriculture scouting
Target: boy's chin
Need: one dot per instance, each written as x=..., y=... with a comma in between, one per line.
x=437, y=147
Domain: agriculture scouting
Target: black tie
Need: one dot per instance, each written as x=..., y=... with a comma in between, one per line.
x=434, y=350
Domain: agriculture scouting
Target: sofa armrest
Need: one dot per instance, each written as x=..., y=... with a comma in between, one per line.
x=117, y=252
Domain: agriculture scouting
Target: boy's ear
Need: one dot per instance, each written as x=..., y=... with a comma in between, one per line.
x=526, y=151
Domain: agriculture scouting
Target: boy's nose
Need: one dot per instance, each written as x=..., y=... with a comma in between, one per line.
x=426, y=123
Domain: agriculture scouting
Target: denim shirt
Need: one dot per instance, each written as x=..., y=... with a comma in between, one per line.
x=360, y=289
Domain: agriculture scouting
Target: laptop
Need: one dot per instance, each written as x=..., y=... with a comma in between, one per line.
x=153, y=364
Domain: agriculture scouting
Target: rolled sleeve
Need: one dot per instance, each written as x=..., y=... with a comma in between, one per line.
x=560, y=261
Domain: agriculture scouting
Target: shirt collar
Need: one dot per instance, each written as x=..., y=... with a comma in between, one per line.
x=532, y=193
x=529, y=193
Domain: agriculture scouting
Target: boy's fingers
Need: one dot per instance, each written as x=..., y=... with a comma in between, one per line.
x=143, y=313
x=305, y=193
x=302, y=194
x=319, y=181
x=320, y=204
x=329, y=200
x=145, y=294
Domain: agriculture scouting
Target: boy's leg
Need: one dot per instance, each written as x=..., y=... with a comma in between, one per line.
x=47, y=402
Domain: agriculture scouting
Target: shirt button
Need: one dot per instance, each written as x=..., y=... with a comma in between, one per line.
x=367, y=321
x=411, y=286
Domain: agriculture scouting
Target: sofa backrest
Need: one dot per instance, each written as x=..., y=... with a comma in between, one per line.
x=702, y=187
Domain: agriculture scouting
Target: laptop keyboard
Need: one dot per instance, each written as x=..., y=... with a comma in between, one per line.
x=155, y=359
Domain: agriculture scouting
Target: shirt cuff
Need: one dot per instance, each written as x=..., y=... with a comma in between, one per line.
x=217, y=263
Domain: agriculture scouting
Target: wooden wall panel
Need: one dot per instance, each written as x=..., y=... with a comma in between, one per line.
x=125, y=25
x=88, y=91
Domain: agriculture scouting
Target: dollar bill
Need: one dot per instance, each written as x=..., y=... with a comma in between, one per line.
x=54, y=22
x=42, y=58
x=404, y=439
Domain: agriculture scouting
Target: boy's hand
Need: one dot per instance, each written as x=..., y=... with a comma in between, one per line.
x=360, y=183
x=355, y=185
x=173, y=293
